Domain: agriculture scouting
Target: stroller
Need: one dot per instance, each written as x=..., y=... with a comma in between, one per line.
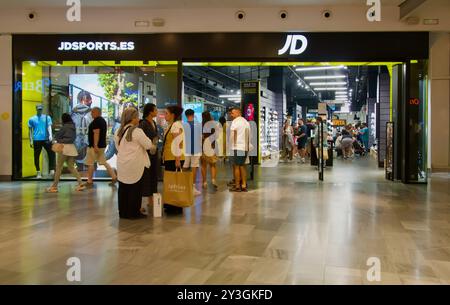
x=359, y=148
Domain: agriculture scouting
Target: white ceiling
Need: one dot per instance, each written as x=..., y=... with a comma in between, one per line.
x=170, y=4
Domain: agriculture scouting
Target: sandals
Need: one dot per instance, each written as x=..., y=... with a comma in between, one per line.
x=113, y=182
x=80, y=187
x=235, y=189
x=52, y=189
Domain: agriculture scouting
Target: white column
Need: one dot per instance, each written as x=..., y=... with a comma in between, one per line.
x=5, y=107
x=439, y=73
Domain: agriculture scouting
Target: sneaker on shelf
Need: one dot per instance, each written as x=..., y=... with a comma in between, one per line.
x=38, y=175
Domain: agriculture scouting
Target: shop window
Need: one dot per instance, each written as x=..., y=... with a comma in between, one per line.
x=75, y=87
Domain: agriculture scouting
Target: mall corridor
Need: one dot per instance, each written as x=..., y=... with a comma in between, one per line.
x=289, y=229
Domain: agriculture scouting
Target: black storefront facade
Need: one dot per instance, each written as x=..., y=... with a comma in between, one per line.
x=402, y=47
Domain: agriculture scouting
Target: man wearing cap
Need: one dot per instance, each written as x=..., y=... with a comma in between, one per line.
x=40, y=132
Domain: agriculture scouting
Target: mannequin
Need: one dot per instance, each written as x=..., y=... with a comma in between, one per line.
x=40, y=133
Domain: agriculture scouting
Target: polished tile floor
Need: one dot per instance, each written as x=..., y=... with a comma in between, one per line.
x=289, y=229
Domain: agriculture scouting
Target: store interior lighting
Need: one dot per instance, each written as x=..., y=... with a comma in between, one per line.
x=328, y=83
x=325, y=77
x=320, y=68
x=330, y=89
x=230, y=96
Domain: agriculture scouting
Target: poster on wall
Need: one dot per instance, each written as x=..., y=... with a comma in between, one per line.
x=111, y=92
x=250, y=105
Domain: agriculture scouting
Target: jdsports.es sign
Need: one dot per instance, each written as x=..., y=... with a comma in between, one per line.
x=96, y=46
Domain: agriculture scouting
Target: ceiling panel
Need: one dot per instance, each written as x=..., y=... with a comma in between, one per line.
x=164, y=4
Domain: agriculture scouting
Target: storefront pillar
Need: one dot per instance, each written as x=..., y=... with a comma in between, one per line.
x=6, y=141
x=439, y=116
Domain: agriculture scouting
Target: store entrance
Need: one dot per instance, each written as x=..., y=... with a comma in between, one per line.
x=354, y=100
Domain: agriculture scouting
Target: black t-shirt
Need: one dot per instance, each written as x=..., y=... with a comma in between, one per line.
x=98, y=123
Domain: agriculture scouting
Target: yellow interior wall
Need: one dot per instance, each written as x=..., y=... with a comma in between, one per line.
x=31, y=96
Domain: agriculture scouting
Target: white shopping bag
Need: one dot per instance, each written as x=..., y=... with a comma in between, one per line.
x=157, y=205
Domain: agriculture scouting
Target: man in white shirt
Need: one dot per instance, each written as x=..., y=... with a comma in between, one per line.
x=240, y=145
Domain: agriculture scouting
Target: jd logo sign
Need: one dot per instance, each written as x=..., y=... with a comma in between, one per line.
x=291, y=44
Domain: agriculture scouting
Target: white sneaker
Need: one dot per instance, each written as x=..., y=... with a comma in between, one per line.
x=196, y=192
x=38, y=175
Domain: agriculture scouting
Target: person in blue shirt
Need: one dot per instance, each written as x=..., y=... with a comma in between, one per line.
x=364, y=132
x=40, y=132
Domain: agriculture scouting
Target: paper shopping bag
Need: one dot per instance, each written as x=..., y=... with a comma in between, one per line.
x=157, y=205
x=178, y=188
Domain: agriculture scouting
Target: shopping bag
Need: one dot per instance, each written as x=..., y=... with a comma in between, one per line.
x=325, y=153
x=157, y=205
x=178, y=188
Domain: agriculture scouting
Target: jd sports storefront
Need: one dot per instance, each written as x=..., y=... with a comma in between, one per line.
x=73, y=73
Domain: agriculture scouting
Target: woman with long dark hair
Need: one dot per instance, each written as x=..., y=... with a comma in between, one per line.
x=66, y=136
x=173, y=155
x=150, y=179
x=132, y=158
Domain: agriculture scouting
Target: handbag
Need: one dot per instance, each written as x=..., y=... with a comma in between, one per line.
x=58, y=147
x=69, y=150
x=178, y=190
x=164, y=144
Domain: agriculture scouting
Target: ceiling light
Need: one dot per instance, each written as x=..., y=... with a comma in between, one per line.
x=330, y=89
x=325, y=77
x=230, y=96
x=320, y=68
x=326, y=83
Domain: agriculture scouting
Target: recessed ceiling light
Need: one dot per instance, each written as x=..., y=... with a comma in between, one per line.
x=327, y=83
x=330, y=89
x=320, y=68
x=325, y=77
